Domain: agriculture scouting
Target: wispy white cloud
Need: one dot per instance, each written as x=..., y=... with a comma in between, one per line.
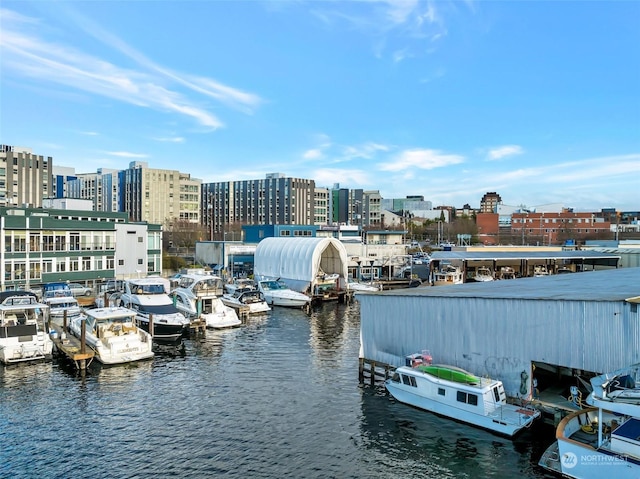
x=504, y=151
x=364, y=151
x=127, y=154
x=27, y=54
x=352, y=177
x=423, y=159
x=312, y=154
x=401, y=25
x=170, y=139
x=437, y=73
x=89, y=133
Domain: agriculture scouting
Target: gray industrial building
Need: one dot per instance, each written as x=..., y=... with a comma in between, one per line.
x=558, y=327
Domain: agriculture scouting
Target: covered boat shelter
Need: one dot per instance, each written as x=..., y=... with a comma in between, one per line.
x=554, y=328
x=524, y=263
x=301, y=262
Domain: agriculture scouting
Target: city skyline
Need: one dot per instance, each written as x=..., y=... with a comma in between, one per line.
x=538, y=101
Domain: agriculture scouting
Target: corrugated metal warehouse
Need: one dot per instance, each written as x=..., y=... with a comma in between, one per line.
x=511, y=330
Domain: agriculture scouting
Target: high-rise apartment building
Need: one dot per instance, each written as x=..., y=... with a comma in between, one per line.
x=489, y=202
x=156, y=195
x=321, y=206
x=101, y=187
x=372, y=208
x=25, y=178
x=276, y=200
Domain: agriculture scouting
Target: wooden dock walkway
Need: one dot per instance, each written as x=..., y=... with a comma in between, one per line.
x=70, y=346
x=74, y=349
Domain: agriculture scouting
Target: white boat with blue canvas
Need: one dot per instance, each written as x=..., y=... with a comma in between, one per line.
x=61, y=302
x=458, y=394
x=602, y=441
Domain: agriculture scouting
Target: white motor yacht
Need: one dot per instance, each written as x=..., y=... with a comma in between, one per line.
x=276, y=293
x=155, y=311
x=61, y=302
x=23, y=328
x=246, y=298
x=112, y=333
x=198, y=298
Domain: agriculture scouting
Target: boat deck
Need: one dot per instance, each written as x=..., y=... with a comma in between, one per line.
x=511, y=415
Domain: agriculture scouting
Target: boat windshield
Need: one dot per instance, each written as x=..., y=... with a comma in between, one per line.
x=273, y=285
x=147, y=288
x=251, y=296
x=157, y=309
x=63, y=305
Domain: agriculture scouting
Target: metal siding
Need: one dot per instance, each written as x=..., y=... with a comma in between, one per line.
x=499, y=337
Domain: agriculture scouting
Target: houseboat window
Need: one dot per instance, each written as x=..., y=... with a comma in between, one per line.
x=395, y=378
x=496, y=394
x=441, y=391
x=467, y=398
x=405, y=380
x=413, y=381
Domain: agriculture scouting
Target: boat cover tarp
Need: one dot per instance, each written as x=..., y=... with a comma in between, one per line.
x=299, y=261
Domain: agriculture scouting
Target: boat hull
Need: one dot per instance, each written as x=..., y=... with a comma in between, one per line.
x=286, y=302
x=227, y=319
x=39, y=348
x=163, y=330
x=258, y=307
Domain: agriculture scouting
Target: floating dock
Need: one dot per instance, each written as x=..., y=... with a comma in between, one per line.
x=71, y=347
x=74, y=349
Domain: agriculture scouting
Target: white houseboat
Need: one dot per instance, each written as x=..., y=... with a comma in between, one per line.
x=455, y=393
x=23, y=328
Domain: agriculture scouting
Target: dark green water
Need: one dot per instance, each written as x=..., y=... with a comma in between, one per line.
x=278, y=397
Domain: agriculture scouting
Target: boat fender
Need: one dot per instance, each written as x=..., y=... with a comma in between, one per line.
x=523, y=382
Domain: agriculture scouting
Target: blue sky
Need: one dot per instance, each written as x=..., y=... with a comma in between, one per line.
x=539, y=101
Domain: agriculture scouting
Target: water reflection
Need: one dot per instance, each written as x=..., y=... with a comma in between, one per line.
x=276, y=397
x=436, y=446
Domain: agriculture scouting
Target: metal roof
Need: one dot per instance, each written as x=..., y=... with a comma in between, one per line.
x=606, y=285
x=522, y=255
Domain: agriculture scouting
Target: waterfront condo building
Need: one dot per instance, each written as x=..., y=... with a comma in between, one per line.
x=25, y=178
x=159, y=196
x=40, y=245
